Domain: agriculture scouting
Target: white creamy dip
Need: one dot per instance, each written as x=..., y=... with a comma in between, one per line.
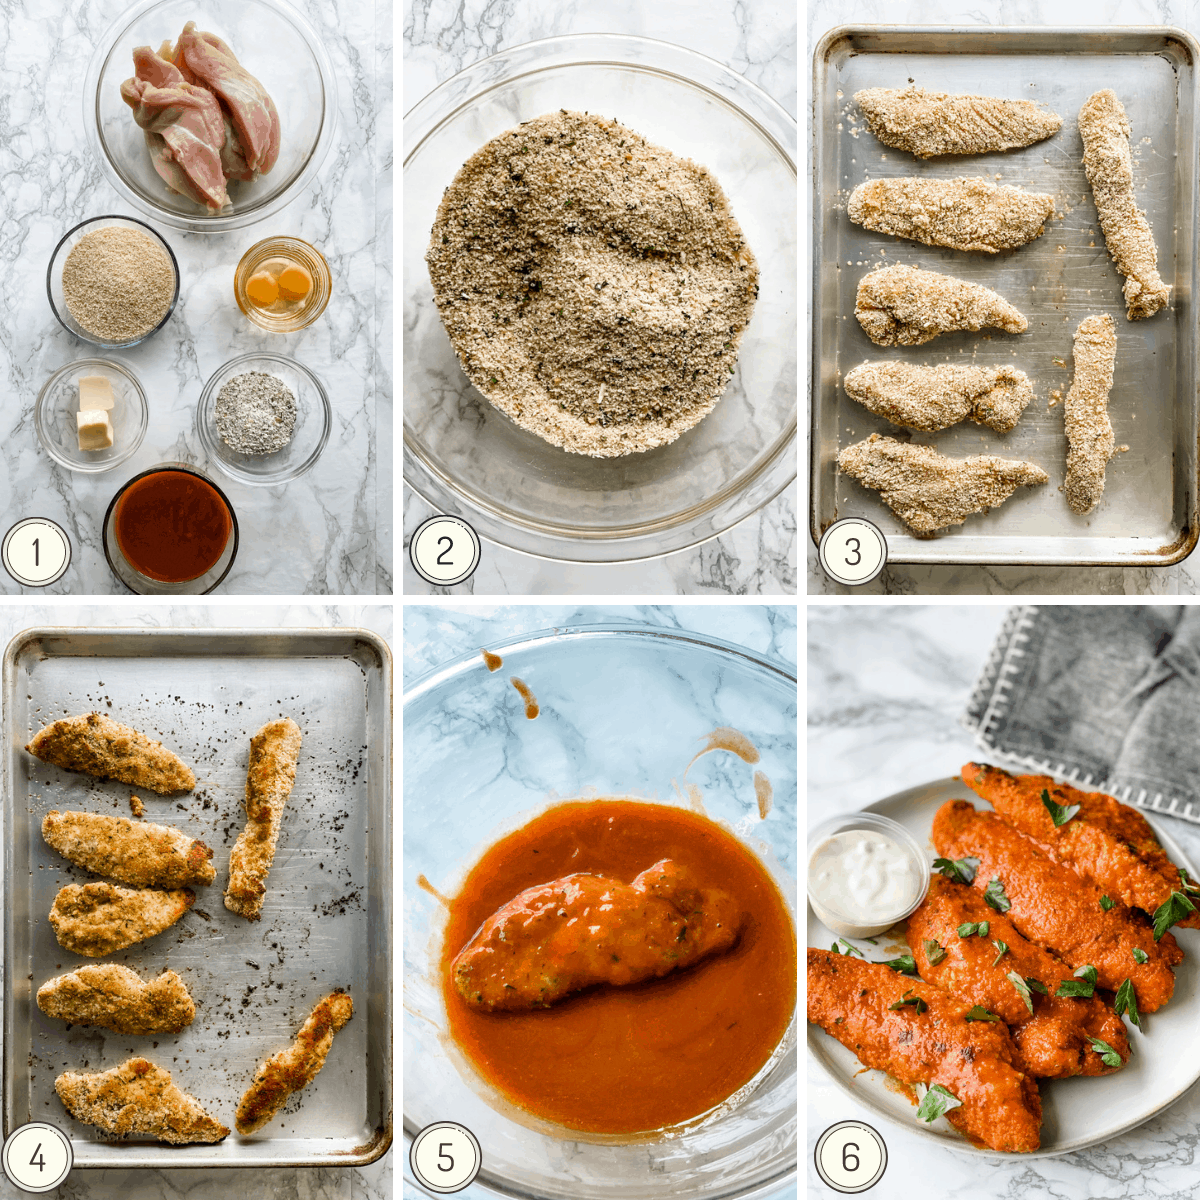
x=863, y=876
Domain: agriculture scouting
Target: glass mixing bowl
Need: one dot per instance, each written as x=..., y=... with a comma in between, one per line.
x=275, y=44
x=466, y=458
x=623, y=709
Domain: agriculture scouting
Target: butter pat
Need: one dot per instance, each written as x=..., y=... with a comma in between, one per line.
x=95, y=429
x=95, y=391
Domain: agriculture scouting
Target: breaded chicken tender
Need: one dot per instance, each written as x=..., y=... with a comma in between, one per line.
x=116, y=998
x=929, y=124
x=135, y=852
x=98, y=918
x=935, y=397
x=297, y=1066
x=97, y=745
x=137, y=1098
x=929, y=491
x=1090, y=438
x=964, y=214
x=905, y=306
x=274, y=751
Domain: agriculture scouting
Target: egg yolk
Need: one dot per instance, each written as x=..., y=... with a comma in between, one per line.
x=262, y=289
x=294, y=283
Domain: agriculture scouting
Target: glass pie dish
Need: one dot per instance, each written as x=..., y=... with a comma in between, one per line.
x=466, y=458
x=623, y=709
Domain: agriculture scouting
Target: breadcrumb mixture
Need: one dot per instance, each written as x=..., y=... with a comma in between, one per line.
x=1090, y=438
x=595, y=286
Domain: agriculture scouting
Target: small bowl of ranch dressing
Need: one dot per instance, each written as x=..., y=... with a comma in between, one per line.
x=865, y=873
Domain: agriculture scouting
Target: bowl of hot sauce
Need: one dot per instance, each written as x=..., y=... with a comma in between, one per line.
x=170, y=531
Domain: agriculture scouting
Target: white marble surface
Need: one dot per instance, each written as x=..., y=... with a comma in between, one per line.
x=373, y=1182
x=920, y=579
x=756, y=38
x=328, y=532
x=886, y=688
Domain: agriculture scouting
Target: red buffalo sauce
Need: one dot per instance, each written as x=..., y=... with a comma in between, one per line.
x=172, y=526
x=636, y=1058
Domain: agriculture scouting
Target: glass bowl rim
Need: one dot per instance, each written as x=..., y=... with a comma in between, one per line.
x=209, y=442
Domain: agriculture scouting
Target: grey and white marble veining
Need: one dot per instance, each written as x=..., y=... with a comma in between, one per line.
x=328, y=532
x=886, y=687
x=922, y=579
x=373, y=1182
x=756, y=38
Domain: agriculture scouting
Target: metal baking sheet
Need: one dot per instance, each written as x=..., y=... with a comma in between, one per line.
x=1148, y=515
x=326, y=922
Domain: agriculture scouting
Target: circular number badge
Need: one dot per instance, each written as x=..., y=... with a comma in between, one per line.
x=445, y=551
x=851, y=1157
x=445, y=1157
x=852, y=551
x=37, y=1157
x=36, y=551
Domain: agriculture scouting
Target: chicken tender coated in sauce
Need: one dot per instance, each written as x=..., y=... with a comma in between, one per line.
x=99, y=746
x=870, y=1009
x=95, y=919
x=1090, y=439
x=560, y=937
x=1051, y=1032
x=116, y=998
x=929, y=124
x=1057, y=908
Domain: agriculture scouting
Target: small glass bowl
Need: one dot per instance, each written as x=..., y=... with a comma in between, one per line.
x=282, y=317
x=877, y=824
x=58, y=402
x=143, y=585
x=54, y=273
x=314, y=419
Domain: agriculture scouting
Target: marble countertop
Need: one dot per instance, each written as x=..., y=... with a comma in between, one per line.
x=373, y=1182
x=886, y=688
x=756, y=38
x=918, y=579
x=328, y=532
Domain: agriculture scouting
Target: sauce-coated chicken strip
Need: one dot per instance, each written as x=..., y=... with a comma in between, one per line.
x=1050, y=1031
x=297, y=1066
x=95, y=919
x=139, y=853
x=929, y=124
x=581, y=930
x=1057, y=908
x=975, y=1061
x=274, y=751
x=1090, y=439
x=116, y=998
x=138, y=1098
x=1108, y=842
x=97, y=745
x=964, y=214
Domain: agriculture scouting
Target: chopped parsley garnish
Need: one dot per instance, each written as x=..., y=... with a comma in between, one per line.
x=1139, y=955
x=1060, y=814
x=1171, y=912
x=1108, y=1056
x=1022, y=989
x=936, y=1103
x=1084, y=983
x=959, y=870
x=967, y=928
x=933, y=952
x=978, y=1013
x=848, y=950
x=904, y=965
x=1105, y=903
x=1188, y=885
x=1002, y=947
x=909, y=1000
x=1038, y=986
x=994, y=895
x=1126, y=1002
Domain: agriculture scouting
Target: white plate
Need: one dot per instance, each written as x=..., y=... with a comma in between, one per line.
x=1075, y=1112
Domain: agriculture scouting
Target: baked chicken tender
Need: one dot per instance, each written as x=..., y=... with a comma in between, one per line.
x=137, y=1098
x=1053, y=1037
x=929, y=124
x=116, y=998
x=932, y=398
x=1090, y=438
x=99, y=746
x=976, y=1061
x=297, y=1066
x=1108, y=842
x=1057, y=908
x=929, y=491
x=94, y=919
x=1109, y=165
x=139, y=853
x=274, y=751
x=560, y=937
x=905, y=306
x=964, y=214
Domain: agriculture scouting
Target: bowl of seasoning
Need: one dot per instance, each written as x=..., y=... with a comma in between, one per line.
x=68, y=420
x=113, y=281
x=865, y=873
x=282, y=284
x=170, y=531
x=264, y=418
